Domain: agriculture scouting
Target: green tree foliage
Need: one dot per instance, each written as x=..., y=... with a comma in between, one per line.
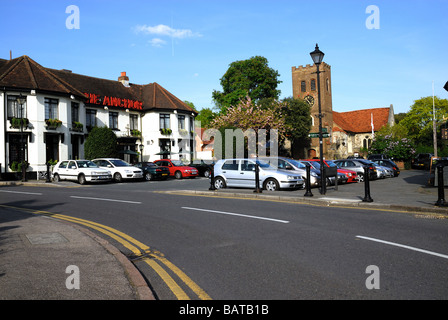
x=101, y=143
x=206, y=116
x=297, y=118
x=393, y=147
x=252, y=78
x=419, y=120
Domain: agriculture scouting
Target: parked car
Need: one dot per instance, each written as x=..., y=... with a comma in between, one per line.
x=294, y=166
x=152, y=171
x=204, y=167
x=422, y=161
x=331, y=171
x=358, y=166
x=120, y=169
x=82, y=171
x=241, y=173
x=351, y=175
x=390, y=164
x=177, y=168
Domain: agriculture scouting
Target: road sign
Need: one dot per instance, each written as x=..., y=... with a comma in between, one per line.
x=316, y=135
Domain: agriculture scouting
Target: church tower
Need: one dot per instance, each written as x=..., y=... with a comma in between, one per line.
x=304, y=86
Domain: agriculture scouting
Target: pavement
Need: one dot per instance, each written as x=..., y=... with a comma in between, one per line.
x=42, y=258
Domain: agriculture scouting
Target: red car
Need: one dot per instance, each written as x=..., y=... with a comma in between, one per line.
x=177, y=168
x=352, y=176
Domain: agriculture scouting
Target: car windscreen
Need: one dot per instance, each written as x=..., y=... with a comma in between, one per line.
x=297, y=164
x=177, y=163
x=119, y=163
x=331, y=163
x=264, y=165
x=86, y=164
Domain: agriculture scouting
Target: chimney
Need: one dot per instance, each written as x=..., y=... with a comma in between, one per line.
x=124, y=79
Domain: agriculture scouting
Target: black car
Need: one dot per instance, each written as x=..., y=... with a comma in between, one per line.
x=204, y=168
x=422, y=161
x=388, y=163
x=151, y=171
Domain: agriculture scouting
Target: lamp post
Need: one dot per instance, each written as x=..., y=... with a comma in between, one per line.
x=141, y=146
x=21, y=100
x=317, y=57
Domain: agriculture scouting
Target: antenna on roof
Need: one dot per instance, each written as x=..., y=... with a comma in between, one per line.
x=10, y=54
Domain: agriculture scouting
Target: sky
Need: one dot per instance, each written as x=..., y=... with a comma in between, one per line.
x=390, y=53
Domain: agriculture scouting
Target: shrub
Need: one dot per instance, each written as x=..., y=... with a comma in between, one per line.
x=101, y=143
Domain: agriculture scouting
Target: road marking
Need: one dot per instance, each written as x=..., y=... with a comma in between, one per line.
x=138, y=249
x=103, y=199
x=22, y=192
x=236, y=214
x=404, y=246
x=339, y=199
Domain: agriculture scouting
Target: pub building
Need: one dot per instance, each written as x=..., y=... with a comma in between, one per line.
x=48, y=114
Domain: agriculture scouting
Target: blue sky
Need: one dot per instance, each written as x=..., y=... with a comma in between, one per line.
x=187, y=45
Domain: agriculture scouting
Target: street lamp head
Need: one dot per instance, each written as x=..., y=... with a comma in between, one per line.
x=21, y=100
x=317, y=55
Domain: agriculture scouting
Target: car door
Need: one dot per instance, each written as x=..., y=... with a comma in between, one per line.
x=247, y=174
x=72, y=171
x=230, y=170
x=62, y=170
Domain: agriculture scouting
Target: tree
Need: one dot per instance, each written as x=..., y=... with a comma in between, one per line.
x=247, y=78
x=206, y=116
x=419, y=120
x=101, y=143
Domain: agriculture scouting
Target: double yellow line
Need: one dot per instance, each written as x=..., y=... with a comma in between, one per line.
x=141, y=251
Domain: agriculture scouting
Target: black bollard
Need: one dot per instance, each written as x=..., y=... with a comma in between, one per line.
x=257, y=179
x=441, y=187
x=212, y=179
x=308, y=192
x=367, y=197
x=48, y=173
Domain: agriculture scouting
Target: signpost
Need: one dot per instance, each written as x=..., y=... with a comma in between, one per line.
x=316, y=135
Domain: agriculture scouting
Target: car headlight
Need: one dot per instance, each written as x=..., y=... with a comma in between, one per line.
x=313, y=174
x=128, y=171
x=292, y=177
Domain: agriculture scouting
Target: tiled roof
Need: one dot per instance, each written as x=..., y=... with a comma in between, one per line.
x=359, y=121
x=25, y=73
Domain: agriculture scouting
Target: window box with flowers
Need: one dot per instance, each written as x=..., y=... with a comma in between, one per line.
x=53, y=123
x=16, y=123
x=77, y=126
x=166, y=132
x=136, y=133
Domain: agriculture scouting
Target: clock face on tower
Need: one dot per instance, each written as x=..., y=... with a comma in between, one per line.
x=310, y=100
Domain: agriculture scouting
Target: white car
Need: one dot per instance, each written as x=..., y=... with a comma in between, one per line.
x=120, y=169
x=82, y=171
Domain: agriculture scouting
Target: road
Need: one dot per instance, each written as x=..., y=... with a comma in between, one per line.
x=197, y=247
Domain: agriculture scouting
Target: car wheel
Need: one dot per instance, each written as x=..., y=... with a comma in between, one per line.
x=220, y=183
x=118, y=177
x=360, y=177
x=56, y=178
x=81, y=179
x=148, y=176
x=207, y=173
x=178, y=175
x=271, y=185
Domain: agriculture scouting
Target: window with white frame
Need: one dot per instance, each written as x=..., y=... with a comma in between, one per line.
x=51, y=108
x=165, y=121
x=90, y=118
x=181, y=120
x=133, y=121
x=15, y=110
x=113, y=120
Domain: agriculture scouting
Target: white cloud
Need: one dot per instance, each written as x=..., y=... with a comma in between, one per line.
x=156, y=42
x=164, y=30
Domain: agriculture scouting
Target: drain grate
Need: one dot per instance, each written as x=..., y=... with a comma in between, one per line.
x=46, y=238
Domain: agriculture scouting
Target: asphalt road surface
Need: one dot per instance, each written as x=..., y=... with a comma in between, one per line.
x=196, y=247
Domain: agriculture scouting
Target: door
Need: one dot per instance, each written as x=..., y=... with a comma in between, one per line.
x=247, y=174
x=231, y=173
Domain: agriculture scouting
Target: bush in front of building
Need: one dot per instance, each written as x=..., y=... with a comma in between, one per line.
x=101, y=143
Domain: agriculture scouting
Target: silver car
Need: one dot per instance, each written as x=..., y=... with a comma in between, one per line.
x=241, y=173
x=294, y=166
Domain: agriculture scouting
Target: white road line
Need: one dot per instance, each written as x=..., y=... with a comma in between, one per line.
x=103, y=199
x=236, y=214
x=21, y=192
x=404, y=246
